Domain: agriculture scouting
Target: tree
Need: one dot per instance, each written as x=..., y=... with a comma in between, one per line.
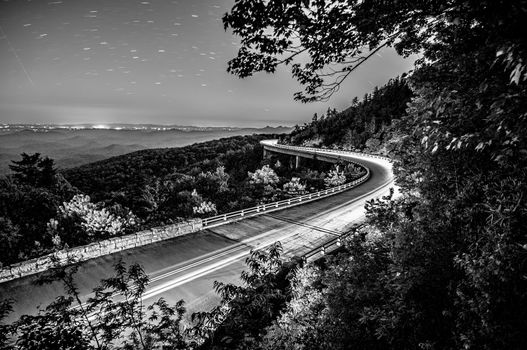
x=205, y=208
x=25, y=209
x=5, y=330
x=330, y=303
x=264, y=176
x=52, y=328
x=294, y=187
x=34, y=170
x=294, y=328
x=456, y=277
x=9, y=239
x=156, y=184
x=349, y=127
x=114, y=318
x=264, y=181
x=211, y=184
x=81, y=221
x=337, y=37
x=335, y=177
x=245, y=310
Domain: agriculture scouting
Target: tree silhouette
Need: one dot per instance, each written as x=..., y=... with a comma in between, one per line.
x=34, y=170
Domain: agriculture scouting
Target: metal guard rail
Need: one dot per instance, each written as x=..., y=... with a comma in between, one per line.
x=286, y=203
x=330, y=245
x=335, y=242
x=316, y=150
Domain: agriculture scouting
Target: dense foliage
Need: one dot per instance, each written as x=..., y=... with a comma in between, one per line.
x=366, y=120
x=452, y=268
x=245, y=310
x=166, y=185
x=101, y=322
x=27, y=201
x=116, y=317
x=42, y=211
x=157, y=184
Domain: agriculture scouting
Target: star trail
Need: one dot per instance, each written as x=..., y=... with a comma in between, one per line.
x=78, y=61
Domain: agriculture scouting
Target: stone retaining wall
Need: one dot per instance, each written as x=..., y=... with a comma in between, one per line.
x=101, y=248
x=156, y=234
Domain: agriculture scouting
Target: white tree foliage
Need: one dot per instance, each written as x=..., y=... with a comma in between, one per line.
x=205, y=207
x=294, y=187
x=94, y=221
x=335, y=177
x=219, y=176
x=223, y=178
x=300, y=315
x=264, y=176
x=202, y=207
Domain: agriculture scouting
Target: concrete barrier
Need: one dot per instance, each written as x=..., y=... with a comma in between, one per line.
x=94, y=250
x=157, y=234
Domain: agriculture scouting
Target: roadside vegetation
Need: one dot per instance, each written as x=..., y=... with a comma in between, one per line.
x=44, y=210
x=368, y=125
x=441, y=267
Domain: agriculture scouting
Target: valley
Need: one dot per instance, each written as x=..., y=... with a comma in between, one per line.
x=72, y=147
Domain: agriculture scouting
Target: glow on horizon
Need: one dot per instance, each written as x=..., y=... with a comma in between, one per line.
x=100, y=126
x=102, y=67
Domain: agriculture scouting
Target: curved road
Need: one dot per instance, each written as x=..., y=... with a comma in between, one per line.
x=185, y=267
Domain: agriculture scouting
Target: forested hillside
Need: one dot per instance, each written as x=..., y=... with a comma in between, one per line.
x=76, y=145
x=369, y=119
x=133, y=174
x=166, y=185
x=43, y=210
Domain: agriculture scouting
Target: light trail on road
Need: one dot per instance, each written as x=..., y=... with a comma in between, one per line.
x=187, y=266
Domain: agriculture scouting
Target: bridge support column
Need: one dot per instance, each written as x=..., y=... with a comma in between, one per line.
x=266, y=153
x=297, y=162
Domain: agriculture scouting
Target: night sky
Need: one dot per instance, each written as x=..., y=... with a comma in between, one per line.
x=161, y=62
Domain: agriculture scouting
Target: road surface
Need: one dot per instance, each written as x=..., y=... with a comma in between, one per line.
x=186, y=267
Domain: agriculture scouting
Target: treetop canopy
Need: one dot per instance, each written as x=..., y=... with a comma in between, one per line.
x=336, y=37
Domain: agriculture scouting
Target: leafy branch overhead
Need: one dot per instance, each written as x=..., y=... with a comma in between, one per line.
x=323, y=42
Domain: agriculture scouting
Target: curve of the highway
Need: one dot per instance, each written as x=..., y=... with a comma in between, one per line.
x=185, y=267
